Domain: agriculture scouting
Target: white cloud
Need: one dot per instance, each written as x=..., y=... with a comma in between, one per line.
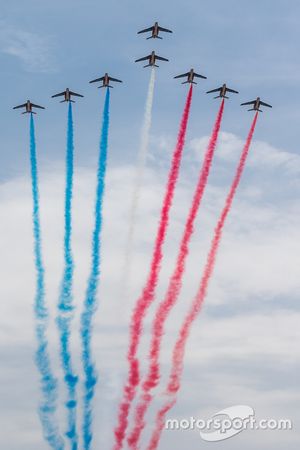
x=33, y=50
x=262, y=154
x=247, y=331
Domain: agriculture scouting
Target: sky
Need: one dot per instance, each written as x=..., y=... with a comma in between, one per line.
x=244, y=346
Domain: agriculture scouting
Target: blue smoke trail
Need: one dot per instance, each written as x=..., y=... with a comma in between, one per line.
x=90, y=302
x=47, y=406
x=65, y=305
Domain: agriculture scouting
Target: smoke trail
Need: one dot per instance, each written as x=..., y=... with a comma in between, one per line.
x=47, y=406
x=174, y=288
x=65, y=305
x=141, y=163
x=90, y=303
x=147, y=297
x=179, y=348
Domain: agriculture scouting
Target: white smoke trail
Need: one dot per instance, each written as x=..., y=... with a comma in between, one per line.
x=139, y=175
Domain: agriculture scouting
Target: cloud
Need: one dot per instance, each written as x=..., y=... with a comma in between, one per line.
x=262, y=154
x=36, y=52
x=243, y=346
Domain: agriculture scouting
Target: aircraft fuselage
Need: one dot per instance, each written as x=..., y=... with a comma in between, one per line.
x=191, y=76
x=28, y=107
x=106, y=80
x=257, y=104
x=152, y=59
x=223, y=91
x=67, y=95
x=155, y=30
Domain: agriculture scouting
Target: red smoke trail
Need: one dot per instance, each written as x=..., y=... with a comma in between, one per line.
x=179, y=348
x=147, y=297
x=174, y=288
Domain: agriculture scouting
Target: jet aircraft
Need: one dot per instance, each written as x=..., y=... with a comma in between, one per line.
x=256, y=104
x=190, y=76
x=28, y=107
x=105, y=81
x=152, y=59
x=222, y=91
x=67, y=94
x=155, y=30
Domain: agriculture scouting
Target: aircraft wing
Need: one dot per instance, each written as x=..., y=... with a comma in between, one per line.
x=214, y=90
x=76, y=95
x=165, y=30
x=58, y=95
x=115, y=79
x=143, y=59
x=199, y=76
x=145, y=30
x=20, y=106
x=231, y=90
x=183, y=75
x=249, y=103
x=97, y=79
x=37, y=106
x=265, y=104
x=161, y=58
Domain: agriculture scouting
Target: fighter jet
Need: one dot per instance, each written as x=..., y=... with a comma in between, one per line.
x=28, y=107
x=190, y=76
x=67, y=94
x=155, y=29
x=256, y=104
x=105, y=81
x=152, y=59
x=222, y=91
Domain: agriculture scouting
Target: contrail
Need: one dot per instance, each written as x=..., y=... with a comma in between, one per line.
x=148, y=293
x=47, y=408
x=139, y=175
x=65, y=305
x=90, y=303
x=179, y=348
x=152, y=377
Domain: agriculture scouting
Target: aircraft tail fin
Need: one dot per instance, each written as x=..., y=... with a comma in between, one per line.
x=107, y=86
x=192, y=82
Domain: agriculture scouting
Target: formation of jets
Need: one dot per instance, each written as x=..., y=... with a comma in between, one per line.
x=152, y=58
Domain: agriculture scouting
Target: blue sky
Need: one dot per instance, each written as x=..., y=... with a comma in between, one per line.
x=244, y=347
